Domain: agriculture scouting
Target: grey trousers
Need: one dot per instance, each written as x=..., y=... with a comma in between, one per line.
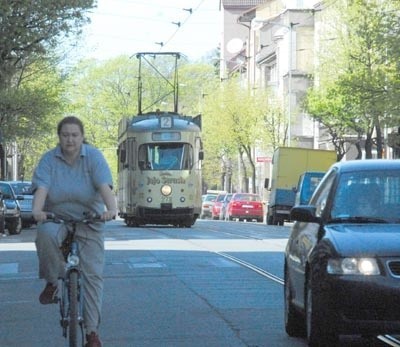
x=91, y=252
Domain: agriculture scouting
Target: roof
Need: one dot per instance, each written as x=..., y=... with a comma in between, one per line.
x=368, y=164
x=242, y=3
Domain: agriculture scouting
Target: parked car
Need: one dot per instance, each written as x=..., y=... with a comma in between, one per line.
x=207, y=204
x=342, y=260
x=24, y=188
x=13, y=221
x=245, y=206
x=216, y=208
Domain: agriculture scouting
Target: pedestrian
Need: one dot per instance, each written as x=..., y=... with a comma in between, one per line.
x=70, y=179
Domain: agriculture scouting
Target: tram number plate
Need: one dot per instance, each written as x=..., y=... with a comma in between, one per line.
x=166, y=199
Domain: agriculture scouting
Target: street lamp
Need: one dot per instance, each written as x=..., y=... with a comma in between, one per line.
x=257, y=24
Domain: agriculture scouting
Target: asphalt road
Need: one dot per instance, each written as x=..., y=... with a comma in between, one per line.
x=166, y=287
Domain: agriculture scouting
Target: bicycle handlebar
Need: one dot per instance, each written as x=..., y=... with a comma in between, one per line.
x=89, y=217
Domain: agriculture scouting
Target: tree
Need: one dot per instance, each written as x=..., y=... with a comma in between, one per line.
x=234, y=125
x=29, y=32
x=30, y=29
x=364, y=90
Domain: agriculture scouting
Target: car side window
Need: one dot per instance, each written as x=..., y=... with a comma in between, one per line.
x=320, y=198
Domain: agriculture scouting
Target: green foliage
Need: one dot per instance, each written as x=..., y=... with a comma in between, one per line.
x=29, y=111
x=234, y=124
x=30, y=85
x=101, y=93
x=361, y=97
x=29, y=29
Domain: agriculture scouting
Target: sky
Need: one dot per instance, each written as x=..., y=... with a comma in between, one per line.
x=191, y=27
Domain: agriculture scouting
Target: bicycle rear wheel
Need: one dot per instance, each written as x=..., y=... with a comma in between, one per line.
x=74, y=324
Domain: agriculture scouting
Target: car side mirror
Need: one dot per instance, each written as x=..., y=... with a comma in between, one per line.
x=304, y=213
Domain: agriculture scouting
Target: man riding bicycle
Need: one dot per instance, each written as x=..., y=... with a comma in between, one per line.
x=71, y=179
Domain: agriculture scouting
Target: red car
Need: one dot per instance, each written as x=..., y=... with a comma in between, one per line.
x=216, y=208
x=245, y=206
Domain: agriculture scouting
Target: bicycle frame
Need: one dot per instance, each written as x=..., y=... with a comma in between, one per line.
x=71, y=300
x=71, y=285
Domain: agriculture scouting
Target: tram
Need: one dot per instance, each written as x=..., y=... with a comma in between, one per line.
x=159, y=168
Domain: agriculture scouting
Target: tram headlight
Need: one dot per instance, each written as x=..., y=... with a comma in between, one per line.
x=182, y=199
x=166, y=190
x=149, y=199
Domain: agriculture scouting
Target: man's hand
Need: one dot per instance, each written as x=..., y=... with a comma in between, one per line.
x=39, y=216
x=108, y=215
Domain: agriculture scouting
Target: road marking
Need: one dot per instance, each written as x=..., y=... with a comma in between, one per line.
x=8, y=268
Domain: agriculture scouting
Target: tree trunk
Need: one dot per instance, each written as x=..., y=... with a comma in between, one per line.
x=368, y=146
x=379, y=141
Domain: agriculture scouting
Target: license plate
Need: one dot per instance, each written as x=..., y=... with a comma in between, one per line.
x=247, y=206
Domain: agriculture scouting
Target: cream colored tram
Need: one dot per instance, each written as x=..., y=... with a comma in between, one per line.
x=159, y=169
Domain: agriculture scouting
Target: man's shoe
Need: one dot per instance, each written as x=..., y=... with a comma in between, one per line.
x=48, y=295
x=93, y=340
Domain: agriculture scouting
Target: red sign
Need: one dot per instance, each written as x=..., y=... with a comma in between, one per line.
x=263, y=159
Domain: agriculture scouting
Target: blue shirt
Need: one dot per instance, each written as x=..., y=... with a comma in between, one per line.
x=72, y=189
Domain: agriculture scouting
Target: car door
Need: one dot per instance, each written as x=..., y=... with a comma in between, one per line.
x=304, y=237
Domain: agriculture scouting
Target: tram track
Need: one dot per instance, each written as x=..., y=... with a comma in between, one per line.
x=386, y=339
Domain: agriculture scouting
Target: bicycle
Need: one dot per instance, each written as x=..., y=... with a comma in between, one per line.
x=70, y=299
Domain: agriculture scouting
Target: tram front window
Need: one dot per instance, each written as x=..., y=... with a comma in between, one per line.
x=155, y=156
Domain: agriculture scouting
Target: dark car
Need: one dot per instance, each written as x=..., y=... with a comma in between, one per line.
x=13, y=221
x=24, y=188
x=245, y=206
x=342, y=260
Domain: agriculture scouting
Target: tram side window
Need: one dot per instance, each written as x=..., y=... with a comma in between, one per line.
x=187, y=157
x=144, y=158
x=121, y=156
x=131, y=157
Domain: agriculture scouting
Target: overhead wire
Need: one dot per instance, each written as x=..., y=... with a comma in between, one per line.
x=190, y=10
x=180, y=24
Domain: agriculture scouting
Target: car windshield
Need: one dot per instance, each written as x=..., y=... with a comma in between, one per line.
x=220, y=197
x=247, y=197
x=367, y=195
x=210, y=198
x=22, y=188
x=5, y=189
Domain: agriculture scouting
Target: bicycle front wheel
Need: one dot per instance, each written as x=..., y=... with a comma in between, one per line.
x=73, y=326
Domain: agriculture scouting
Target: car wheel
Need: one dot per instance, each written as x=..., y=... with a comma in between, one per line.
x=294, y=321
x=15, y=226
x=320, y=328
